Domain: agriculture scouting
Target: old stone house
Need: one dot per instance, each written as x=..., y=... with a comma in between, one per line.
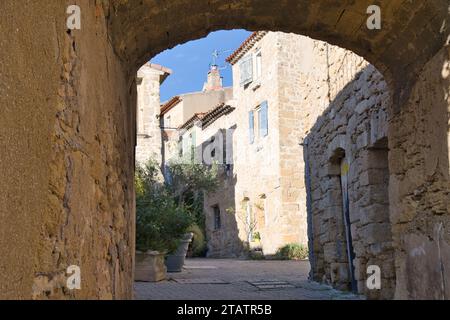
x=321, y=151
x=329, y=108
x=215, y=141
x=181, y=110
x=197, y=126
x=269, y=192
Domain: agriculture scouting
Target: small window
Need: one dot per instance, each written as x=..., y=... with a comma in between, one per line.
x=251, y=120
x=217, y=218
x=169, y=122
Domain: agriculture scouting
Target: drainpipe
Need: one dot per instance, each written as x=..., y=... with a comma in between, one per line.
x=312, y=260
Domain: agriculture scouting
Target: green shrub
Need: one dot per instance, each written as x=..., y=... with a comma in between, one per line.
x=160, y=222
x=293, y=251
x=166, y=210
x=199, y=241
x=256, y=255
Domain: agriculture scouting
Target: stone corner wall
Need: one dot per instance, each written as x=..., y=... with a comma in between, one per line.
x=348, y=148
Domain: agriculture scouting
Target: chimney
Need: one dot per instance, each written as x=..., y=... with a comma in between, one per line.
x=214, y=82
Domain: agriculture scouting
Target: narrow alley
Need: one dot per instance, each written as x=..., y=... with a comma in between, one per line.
x=227, y=279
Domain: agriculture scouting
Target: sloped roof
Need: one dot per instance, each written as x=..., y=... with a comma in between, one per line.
x=191, y=122
x=169, y=105
x=246, y=46
x=206, y=119
x=221, y=110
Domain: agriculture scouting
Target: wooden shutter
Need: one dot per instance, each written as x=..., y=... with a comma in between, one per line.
x=251, y=122
x=264, y=120
x=246, y=68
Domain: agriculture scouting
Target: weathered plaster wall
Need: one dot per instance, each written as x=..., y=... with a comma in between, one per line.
x=67, y=166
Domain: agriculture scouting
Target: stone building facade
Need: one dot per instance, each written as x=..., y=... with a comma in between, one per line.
x=347, y=156
x=333, y=133
x=214, y=133
x=181, y=110
x=270, y=196
x=328, y=158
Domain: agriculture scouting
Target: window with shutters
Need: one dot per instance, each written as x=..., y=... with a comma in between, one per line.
x=251, y=120
x=263, y=120
x=246, y=70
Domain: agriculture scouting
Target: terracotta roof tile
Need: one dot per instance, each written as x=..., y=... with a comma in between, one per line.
x=191, y=122
x=246, y=46
x=172, y=103
x=207, y=118
x=221, y=110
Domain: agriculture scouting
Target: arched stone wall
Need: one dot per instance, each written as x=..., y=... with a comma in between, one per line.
x=67, y=121
x=412, y=31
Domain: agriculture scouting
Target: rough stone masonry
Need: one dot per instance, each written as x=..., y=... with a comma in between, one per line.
x=67, y=129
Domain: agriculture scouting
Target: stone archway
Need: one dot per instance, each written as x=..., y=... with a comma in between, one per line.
x=67, y=122
x=411, y=33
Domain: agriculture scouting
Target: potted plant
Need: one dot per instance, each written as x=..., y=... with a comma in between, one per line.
x=189, y=181
x=176, y=260
x=160, y=224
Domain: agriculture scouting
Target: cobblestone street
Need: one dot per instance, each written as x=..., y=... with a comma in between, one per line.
x=208, y=279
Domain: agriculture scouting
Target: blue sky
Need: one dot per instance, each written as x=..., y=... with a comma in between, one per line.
x=190, y=61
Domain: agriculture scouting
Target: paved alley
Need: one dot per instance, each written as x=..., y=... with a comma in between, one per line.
x=209, y=279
